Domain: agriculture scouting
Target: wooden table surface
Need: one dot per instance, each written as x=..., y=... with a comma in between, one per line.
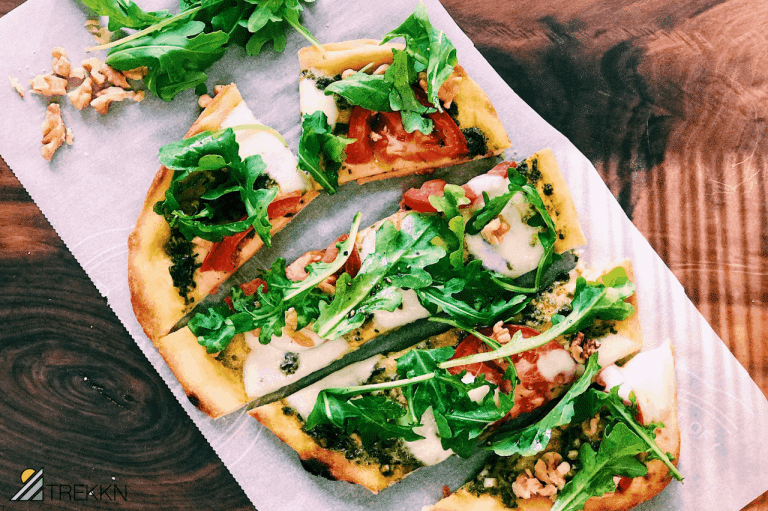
x=669, y=100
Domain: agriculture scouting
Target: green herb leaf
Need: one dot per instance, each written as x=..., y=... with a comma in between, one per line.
x=213, y=192
x=430, y=48
x=397, y=253
x=535, y=437
x=125, y=14
x=320, y=151
x=453, y=197
x=369, y=91
x=615, y=456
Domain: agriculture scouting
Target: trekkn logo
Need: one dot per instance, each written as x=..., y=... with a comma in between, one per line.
x=34, y=489
x=33, y=485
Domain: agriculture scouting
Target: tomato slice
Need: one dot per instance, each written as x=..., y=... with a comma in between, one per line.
x=285, y=205
x=361, y=150
x=381, y=135
x=351, y=265
x=502, y=168
x=221, y=256
x=417, y=199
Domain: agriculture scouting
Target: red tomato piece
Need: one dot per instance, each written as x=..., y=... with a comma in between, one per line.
x=285, y=205
x=221, y=256
x=417, y=199
x=249, y=288
x=502, y=169
x=352, y=264
x=381, y=135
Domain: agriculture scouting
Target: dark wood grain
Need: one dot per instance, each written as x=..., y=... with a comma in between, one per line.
x=666, y=98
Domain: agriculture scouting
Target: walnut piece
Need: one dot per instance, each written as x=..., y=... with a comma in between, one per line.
x=495, y=230
x=54, y=133
x=93, y=66
x=582, y=348
x=136, y=73
x=114, y=76
x=551, y=469
x=448, y=90
x=100, y=34
x=16, y=86
x=500, y=333
x=81, y=96
x=105, y=97
x=60, y=63
x=49, y=85
x=526, y=485
x=78, y=73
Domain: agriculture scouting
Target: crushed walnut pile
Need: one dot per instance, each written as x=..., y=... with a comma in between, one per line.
x=93, y=83
x=547, y=479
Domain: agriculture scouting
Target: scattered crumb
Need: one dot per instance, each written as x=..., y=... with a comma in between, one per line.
x=218, y=88
x=138, y=96
x=70, y=138
x=49, y=85
x=54, y=133
x=60, y=64
x=16, y=86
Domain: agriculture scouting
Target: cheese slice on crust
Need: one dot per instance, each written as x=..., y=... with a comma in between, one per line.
x=286, y=418
x=156, y=302
x=474, y=107
x=244, y=374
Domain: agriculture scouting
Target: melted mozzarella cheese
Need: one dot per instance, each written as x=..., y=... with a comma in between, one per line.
x=428, y=450
x=555, y=362
x=280, y=161
x=614, y=347
x=354, y=374
x=520, y=250
x=313, y=99
x=262, y=374
x=651, y=374
x=477, y=394
x=368, y=245
x=408, y=312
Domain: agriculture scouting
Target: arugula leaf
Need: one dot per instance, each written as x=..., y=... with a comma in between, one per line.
x=213, y=192
x=176, y=55
x=615, y=456
x=216, y=326
x=369, y=91
x=319, y=143
x=594, y=400
x=374, y=418
x=402, y=98
x=430, y=47
x=591, y=300
x=125, y=14
x=178, y=49
x=453, y=197
x=399, y=254
x=535, y=437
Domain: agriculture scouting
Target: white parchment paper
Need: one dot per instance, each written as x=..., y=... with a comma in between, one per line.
x=92, y=192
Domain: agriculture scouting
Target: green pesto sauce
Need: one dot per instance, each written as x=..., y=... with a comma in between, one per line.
x=183, y=264
x=566, y=440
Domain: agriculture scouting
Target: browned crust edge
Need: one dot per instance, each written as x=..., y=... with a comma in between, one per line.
x=475, y=108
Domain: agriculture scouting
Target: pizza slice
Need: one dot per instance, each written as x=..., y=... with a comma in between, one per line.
x=405, y=109
x=376, y=437
x=218, y=198
x=452, y=262
x=602, y=459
